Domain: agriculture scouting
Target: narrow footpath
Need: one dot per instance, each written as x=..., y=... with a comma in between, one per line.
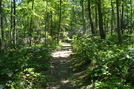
x=60, y=74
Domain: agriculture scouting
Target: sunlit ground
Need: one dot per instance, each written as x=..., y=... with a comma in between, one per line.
x=60, y=79
x=65, y=53
x=61, y=54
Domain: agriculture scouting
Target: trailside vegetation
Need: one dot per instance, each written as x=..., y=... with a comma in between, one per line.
x=103, y=63
x=25, y=68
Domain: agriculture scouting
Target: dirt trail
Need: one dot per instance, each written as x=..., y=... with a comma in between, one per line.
x=60, y=74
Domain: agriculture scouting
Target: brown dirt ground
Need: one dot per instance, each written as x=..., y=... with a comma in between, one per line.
x=60, y=73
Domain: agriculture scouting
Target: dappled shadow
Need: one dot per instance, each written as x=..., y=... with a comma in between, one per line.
x=24, y=68
x=60, y=74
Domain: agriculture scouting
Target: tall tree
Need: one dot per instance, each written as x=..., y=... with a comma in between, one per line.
x=2, y=26
x=102, y=33
x=83, y=15
x=46, y=21
x=131, y=4
x=122, y=18
x=11, y=24
x=14, y=23
x=30, y=26
x=96, y=16
x=112, y=17
x=91, y=17
x=59, y=27
x=118, y=23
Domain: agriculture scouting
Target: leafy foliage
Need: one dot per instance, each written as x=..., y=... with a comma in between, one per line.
x=26, y=67
x=105, y=63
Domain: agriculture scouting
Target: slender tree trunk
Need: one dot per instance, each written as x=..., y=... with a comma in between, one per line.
x=102, y=33
x=45, y=34
x=51, y=30
x=46, y=20
x=96, y=18
x=59, y=27
x=122, y=22
x=39, y=33
x=91, y=18
x=14, y=24
x=51, y=24
x=73, y=17
x=128, y=21
x=83, y=16
x=118, y=23
x=31, y=27
x=112, y=18
x=2, y=27
x=131, y=28
x=11, y=22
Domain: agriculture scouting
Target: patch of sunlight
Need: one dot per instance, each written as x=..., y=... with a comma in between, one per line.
x=61, y=54
x=57, y=87
x=2, y=86
x=64, y=81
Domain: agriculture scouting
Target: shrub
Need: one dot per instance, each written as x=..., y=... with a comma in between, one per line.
x=104, y=61
x=26, y=66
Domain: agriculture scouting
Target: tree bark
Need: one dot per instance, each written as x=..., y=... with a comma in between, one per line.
x=30, y=27
x=96, y=18
x=2, y=27
x=14, y=24
x=51, y=30
x=59, y=27
x=83, y=16
x=122, y=22
x=91, y=18
x=118, y=23
x=46, y=20
x=102, y=33
x=131, y=28
x=112, y=17
x=11, y=24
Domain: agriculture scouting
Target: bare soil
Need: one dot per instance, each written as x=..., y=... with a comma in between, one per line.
x=60, y=73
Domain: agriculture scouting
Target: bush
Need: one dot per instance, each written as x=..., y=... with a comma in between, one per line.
x=104, y=62
x=26, y=67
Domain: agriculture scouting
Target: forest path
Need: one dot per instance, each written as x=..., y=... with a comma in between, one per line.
x=60, y=74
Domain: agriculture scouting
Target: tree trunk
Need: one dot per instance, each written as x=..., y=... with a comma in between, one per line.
x=83, y=16
x=96, y=18
x=128, y=21
x=59, y=27
x=102, y=33
x=2, y=27
x=51, y=30
x=14, y=24
x=51, y=24
x=122, y=22
x=91, y=18
x=112, y=17
x=118, y=23
x=30, y=27
x=72, y=17
x=46, y=20
x=131, y=28
x=11, y=26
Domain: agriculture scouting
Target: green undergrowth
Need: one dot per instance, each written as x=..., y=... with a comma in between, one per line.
x=104, y=63
x=24, y=68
